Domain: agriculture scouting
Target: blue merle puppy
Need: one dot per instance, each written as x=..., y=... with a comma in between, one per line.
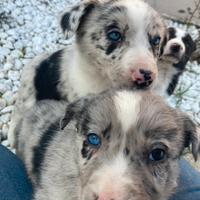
x=117, y=43
x=117, y=145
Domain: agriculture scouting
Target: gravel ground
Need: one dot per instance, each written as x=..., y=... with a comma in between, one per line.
x=28, y=28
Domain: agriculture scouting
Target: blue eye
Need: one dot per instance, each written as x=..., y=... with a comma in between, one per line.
x=114, y=36
x=157, y=155
x=155, y=40
x=94, y=139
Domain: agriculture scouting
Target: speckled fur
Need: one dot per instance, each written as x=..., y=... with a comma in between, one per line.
x=120, y=168
x=92, y=64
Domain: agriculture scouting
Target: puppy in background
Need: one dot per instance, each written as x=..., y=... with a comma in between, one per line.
x=118, y=145
x=176, y=51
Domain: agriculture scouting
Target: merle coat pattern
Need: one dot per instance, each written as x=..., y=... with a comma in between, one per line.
x=116, y=44
x=140, y=138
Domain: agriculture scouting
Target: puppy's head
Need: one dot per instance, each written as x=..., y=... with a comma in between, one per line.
x=129, y=145
x=119, y=39
x=178, y=46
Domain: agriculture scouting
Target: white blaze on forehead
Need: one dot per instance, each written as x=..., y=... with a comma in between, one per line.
x=128, y=106
x=137, y=12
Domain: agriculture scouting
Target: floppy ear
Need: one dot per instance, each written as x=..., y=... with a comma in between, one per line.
x=71, y=112
x=74, y=16
x=192, y=136
x=75, y=109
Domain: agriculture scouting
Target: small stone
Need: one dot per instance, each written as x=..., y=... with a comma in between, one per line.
x=7, y=66
x=5, y=143
x=13, y=75
x=5, y=118
x=2, y=88
x=18, y=64
x=2, y=75
x=15, y=89
x=9, y=45
x=16, y=54
x=2, y=104
x=8, y=96
x=12, y=32
x=4, y=51
x=16, y=83
x=3, y=35
x=18, y=44
x=5, y=27
x=20, y=20
x=7, y=109
x=37, y=40
x=7, y=84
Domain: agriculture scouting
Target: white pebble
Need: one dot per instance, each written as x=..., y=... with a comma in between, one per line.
x=18, y=64
x=2, y=104
x=2, y=88
x=9, y=97
x=15, y=89
x=7, y=109
x=18, y=44
x=5, y=118
x=9, y=45
x=5, y=27
x=3, y=35
x=4, y=51
x=5, y=143
x=13, y=75
x=7, y=66
x=2, y=75
x=7, y=84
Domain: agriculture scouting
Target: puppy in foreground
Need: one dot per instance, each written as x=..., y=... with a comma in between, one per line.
x=116, y=44
x=176, y=51
x=119, y=145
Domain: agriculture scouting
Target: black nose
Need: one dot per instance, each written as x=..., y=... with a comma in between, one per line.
x=175, y=48
x=147, y=74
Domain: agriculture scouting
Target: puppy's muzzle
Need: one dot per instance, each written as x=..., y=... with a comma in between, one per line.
x=175, y=48
x=142, y=78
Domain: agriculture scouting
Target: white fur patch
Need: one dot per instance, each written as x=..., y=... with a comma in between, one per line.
x=127, y=106
x=107, y=177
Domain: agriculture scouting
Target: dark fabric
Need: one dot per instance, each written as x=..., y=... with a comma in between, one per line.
x=14, y=184
x=189, y=183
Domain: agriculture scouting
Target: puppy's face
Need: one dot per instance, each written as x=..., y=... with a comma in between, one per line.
x=129, y=145
x=178, y=46
x=120, y=39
